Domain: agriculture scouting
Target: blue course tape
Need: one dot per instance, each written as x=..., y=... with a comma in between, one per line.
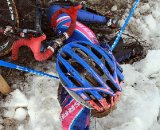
x=14, y=66
x=124, y=25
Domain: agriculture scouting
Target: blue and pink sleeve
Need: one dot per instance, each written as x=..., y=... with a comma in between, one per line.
x=83, y=15
x=73, y=115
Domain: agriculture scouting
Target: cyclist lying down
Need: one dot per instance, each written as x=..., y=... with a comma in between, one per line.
x=90, y=75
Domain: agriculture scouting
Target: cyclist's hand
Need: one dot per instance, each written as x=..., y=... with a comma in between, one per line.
x=57, y=43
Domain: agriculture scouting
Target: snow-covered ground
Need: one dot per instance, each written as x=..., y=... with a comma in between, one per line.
x=36, y=106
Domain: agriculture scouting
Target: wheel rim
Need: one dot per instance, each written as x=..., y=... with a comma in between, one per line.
x=8, y=17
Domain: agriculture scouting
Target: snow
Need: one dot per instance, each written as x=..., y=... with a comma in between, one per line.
x=114, y=8
x=151, y=65
x=20, y=114
x=40, y=103
x=18, y=99
x=148, y=22
x=43, y=106
x=139, y=106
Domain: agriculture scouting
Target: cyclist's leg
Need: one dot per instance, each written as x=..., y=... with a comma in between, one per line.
x=8, y=17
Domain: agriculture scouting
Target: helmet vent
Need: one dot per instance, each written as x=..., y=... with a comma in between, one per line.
x=66, y=56
x=96, y=52
x=108, y=99
x=75, y=82
x=77, y=66
x=93, y=98
x=63, y=68
x=111, y=85
x=97, y=68
x=85, y=74
x=90, y=95
x=92, y=81
x=81, y=53
x=89, y=61
x=111, y=70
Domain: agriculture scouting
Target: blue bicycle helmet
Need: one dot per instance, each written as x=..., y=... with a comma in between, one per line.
x=90, y=74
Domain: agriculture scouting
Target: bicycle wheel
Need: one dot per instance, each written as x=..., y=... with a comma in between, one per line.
x=8, y=17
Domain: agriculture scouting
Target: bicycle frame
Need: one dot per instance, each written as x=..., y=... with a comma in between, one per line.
x=21, y=68
x=38, y=22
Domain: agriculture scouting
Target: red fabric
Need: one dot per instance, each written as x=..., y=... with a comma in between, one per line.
x=34, y=44
x=72, y=12
x=1, y=31
x=105, y=104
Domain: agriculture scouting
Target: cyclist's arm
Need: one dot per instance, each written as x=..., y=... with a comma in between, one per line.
x=86, y=16
x=73, y=115
x=83, y=15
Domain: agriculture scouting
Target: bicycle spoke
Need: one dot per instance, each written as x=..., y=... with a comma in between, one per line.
x=8, y=17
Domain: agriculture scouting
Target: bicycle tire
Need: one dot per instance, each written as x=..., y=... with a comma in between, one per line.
x=8, y=17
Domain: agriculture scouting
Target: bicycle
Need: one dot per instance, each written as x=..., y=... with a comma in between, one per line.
x=10, y=31
x=9, y=18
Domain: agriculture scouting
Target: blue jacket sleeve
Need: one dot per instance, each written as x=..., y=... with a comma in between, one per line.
x=83, y=15
x=89, y=17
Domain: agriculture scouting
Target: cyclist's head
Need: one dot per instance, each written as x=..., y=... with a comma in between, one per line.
x=90, y=74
